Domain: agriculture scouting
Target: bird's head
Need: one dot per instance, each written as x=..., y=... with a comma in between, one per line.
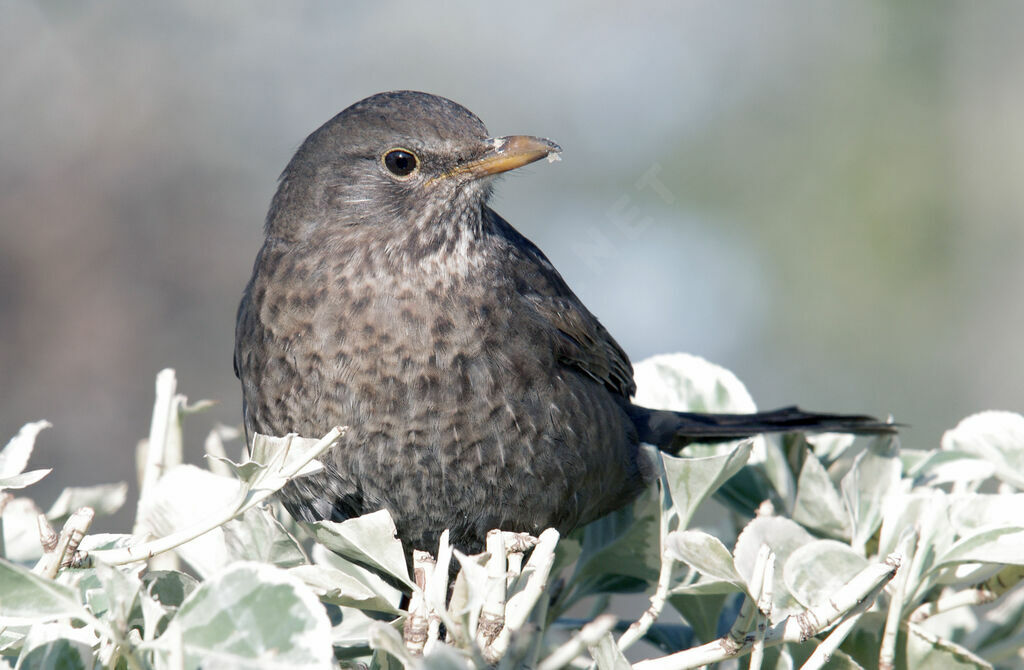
x=396, y=161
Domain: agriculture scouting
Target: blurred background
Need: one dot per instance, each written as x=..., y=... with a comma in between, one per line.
x=825, y=198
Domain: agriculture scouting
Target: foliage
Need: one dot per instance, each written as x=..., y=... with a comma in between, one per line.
x=832, y=551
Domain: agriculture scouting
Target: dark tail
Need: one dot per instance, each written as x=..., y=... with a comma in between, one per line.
x=671, y=431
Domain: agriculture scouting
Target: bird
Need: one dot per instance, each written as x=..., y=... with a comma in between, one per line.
x=478, y=390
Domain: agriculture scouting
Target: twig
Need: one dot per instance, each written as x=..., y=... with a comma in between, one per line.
x=435, y=593
x=824, y=651
x=941, y=643
x=537, y=571
x=416, y=623
x=515, y=568
x=516, y=545
x=492, y=613
x=887, y=651
x=739, y=633
x=63, y=551
x=588, y=636
x=48, y=537
x=653, y=611
x=764, y=604
x=980, y=594
x=522, y=602
x=864, y=587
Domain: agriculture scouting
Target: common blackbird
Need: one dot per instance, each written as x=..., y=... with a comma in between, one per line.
x=479, y=391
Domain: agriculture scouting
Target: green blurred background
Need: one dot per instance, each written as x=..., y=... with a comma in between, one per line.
x=824, y=197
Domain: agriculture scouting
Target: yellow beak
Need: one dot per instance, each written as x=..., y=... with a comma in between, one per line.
x=509, y=153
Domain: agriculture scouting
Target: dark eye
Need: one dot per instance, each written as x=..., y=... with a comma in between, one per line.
x=400, y=162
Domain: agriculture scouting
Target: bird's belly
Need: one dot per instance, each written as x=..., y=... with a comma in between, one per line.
x=455, y=420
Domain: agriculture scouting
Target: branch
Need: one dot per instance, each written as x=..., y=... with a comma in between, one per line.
x=492, y=613
x=859, y=591
x=980, y=594
x=764, y=572
x=887, y=652
x=415, y=630
x=247, y=499
x=521, y=603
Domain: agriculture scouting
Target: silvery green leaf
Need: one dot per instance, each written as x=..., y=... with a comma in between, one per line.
x=350, y=638
x=684, y=382
x=705, y=554
x=913, y=459
x=384, y=638
x=1000, y=631
x=247, y=472
x=258, y=536
x=370, y=539
x=351, y=587
x=1004, y=546
x=165, y=591
x=944, y=467
x=971, y=512
x=925, y=512
x=702, y=610
x=468, y=592
x=783, y=536
x=11, y=639
x=216, y=454
x=28, y=598
x=102, y=498
x=691, y=481
x=607, y=654
x=875, y=474
x=251, y=615
x=997, y=437
x=275, y=460
x=186, y=495
x=121, y=591
x=906, y=510
x=58, y=646
x=815, y=571
x=620, y=549
x=776, y=468
x=23, y=479
x=818, y=505
x=104, y=541
x=15, y=454
x=708, y=586
x=169, y=587
x=285, y=453
x=928, y=652
x=372, y=580
x=21, y=531
x=829, y=446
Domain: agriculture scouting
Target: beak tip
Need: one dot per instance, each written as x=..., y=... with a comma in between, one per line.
x=511, y=152
x=524, y=143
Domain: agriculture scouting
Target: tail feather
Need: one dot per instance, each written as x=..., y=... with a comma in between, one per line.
x=671, y=431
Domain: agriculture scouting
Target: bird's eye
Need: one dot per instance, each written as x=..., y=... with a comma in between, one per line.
x=400, y=162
